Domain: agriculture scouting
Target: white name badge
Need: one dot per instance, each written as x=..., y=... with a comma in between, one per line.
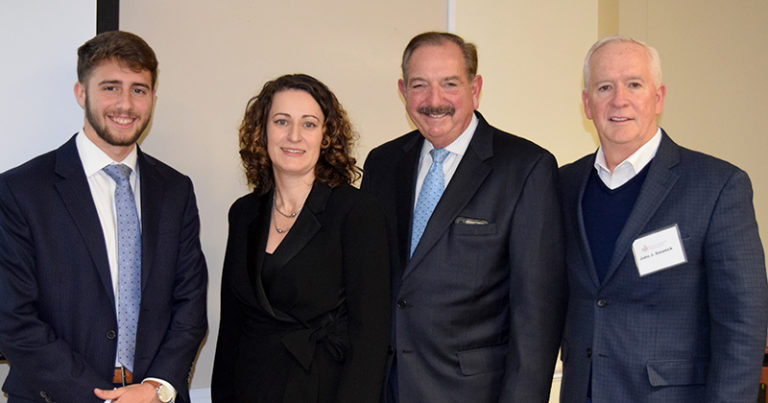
x=658, y=250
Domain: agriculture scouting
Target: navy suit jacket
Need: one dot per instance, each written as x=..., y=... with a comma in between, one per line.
x=478, y=309
x=690, y=333
x=57, y=312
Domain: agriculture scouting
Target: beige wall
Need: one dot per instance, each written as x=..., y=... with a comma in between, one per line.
x=213, y=58
x=530, y=57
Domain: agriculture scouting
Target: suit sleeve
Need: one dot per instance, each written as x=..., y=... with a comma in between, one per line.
x=26, y=339
x=738, y=295
x=223, y=382
x=175, y=356
x=366, y=275
x=538, y=287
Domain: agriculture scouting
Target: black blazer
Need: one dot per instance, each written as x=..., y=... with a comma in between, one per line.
x=324, y=337
x=57, y=311
x=478, y=310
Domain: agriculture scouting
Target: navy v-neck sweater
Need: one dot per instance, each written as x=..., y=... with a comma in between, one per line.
x=605, y=213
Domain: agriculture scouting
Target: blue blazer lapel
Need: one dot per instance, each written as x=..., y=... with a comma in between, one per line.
x=661, y=177
x=75, y=193
x=466, y=181
x=152, y=205
x=585, y=251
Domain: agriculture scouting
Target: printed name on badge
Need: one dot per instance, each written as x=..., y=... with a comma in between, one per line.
x=659, y=250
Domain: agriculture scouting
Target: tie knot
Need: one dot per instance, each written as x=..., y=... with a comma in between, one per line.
x=439, y=155
x=118, y=172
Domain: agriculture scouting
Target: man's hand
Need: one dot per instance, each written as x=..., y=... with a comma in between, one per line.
x=137, y=393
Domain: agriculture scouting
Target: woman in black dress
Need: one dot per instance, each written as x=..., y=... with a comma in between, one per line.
x=305, y=286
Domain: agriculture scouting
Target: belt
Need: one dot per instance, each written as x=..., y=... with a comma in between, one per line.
x=330, y=330
x=122, y=376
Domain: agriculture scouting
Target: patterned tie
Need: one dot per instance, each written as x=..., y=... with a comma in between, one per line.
x=431, y=190
x=128, y=263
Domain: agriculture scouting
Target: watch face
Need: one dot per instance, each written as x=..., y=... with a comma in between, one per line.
x=164, y=394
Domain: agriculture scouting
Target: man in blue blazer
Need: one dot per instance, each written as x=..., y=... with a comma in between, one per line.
x=478, y=299
x=60, y=249
x=668, y=297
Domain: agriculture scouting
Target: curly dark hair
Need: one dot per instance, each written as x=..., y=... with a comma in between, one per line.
x=335, y=165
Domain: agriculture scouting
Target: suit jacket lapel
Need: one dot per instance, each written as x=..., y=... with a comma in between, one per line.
x=152, y=205
x=75, y=192
x=586, y=252
x=405, y=198
x=467, y=179
x=306, y=225
x=255, y=245
x=655, y=189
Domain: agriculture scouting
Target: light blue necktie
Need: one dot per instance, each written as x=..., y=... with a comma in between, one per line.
x=431, y=190
x=128, y=264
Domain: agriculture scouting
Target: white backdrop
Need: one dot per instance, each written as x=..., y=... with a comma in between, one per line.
x=38, y=111
x=39, y=42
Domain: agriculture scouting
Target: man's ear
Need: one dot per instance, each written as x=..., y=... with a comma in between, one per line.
x=80, y=94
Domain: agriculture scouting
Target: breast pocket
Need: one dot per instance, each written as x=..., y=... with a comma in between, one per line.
x=473, y=226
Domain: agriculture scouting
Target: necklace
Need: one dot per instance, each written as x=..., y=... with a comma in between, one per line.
x=292, y=215
x=274, y=221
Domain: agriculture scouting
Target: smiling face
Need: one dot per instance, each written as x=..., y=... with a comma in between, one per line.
x=118, y=106
x=622, y=98
x=439, y=97
x=294, y=134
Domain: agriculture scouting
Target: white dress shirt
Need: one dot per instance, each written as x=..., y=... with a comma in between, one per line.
x=628, y=168
x=103, y=192
x=456, y=152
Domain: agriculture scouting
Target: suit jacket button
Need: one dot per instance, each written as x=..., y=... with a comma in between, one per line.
x=601, y=303
x=111, y=334
x=589, y=352
x=401, y=303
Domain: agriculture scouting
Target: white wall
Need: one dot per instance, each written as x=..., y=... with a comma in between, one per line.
x=38, y=110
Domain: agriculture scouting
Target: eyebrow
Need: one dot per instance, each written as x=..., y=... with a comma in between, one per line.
x=119, y=82
x=442, y=80
x=289, y=115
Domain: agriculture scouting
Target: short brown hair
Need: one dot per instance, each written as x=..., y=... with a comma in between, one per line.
x=335, y=165
x=123, y=47
x=468, y=49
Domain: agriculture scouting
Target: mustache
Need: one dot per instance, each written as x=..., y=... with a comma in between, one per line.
x=437, y=110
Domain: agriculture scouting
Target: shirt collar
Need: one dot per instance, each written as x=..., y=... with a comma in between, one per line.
x=94, y=159
x=460, y=145
x=628, y=168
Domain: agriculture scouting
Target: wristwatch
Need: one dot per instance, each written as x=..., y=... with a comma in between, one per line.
x=164, y=394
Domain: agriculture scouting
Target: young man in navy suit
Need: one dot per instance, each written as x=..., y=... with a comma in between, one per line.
x=478, y=283
x=668, y=297
x=64, y=251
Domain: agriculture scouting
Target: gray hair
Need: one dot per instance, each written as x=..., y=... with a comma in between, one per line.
x=652, y=53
